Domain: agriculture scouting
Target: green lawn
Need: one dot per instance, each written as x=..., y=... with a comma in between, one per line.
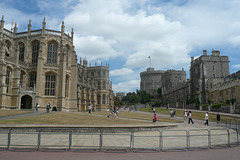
x=84, y=118
x=4, y=113
x=138, y=116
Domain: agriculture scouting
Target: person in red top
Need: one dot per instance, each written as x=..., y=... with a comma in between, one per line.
x=155, y=118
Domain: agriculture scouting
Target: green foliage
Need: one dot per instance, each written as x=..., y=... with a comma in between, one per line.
x=158, y=103
x=133, y=98
x=193, y=100
x=145, y=97
x=159, y=91
x=217, y=105
x=228, y=101
x=116, y=101
x=205, y=105
x=233, y=100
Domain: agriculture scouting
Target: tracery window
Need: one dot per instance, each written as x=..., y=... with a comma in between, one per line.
x=98, y=99
x=67, y=55
x=104, y=84
x=99, y=85
x=52, y=53
x=7, y=81
x=104, y=99
x=33, y=78
x=35, y=50
x=21, y=52
x=66, y=86
x=50, y=81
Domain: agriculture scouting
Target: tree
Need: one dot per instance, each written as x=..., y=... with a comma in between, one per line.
x=159, y=91
x=116, y=101
x=145, y=97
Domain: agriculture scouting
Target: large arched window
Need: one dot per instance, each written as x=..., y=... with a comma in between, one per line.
x=33, y=78
x=35, y=50
x=21, y=52
x=98, y=99
x=52, y=53
x=104, y=99
x=50, y=81
x=7, y=81
x=22, y=75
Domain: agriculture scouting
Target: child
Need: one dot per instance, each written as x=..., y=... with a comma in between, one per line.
x=155, y=118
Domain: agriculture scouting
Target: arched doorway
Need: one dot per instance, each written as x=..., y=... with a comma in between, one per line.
x=26, y=102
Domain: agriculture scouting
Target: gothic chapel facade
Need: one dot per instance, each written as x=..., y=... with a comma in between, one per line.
x=40, y=66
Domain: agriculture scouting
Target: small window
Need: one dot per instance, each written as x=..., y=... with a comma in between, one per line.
x=33, y=79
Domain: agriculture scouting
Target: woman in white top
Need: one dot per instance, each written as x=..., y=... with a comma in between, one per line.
x=185, y=115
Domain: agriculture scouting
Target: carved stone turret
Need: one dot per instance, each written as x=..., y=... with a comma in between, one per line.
x=43, y=26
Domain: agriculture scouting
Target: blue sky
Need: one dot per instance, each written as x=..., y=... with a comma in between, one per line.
x=123, y=33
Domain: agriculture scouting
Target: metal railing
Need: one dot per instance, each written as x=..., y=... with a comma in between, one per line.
x=106, y=140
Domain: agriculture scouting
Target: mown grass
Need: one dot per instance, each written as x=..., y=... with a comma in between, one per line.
x=137, y=116
x=4, y=113
x=195, y=115
x=70, y=118
x=97, y=118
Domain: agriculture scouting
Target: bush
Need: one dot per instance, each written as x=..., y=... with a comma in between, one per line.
x=217, y=105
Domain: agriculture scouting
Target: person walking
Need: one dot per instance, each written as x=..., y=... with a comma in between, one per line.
x=89, y=109
x=185, y=116
x=190, y=117
x=218, y=118
x=206, y=118
x=48, y=107
x=37, y=105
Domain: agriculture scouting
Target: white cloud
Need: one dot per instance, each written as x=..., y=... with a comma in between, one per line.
x=235, y=40
x=94, y=48
x=127, y=86
x=121, y=72
x=236, y=66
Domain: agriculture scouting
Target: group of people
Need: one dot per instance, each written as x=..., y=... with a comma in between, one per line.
x=113, y=111
x=188, y=116
x=48, y=107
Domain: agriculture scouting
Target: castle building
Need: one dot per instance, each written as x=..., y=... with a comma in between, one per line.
x=206, y=67
x=40, y=66
x=171, y=78
x=152, y=80
x=120, y=95
x=221, y=90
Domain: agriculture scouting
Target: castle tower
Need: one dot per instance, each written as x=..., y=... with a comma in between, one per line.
x=204, y=68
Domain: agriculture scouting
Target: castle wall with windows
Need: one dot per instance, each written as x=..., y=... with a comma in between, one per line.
x=40, y=66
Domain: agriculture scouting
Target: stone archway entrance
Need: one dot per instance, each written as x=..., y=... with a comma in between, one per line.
x=26, y=102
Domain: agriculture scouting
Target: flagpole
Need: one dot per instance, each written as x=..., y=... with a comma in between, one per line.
x=150, y=63
x=149, y=60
